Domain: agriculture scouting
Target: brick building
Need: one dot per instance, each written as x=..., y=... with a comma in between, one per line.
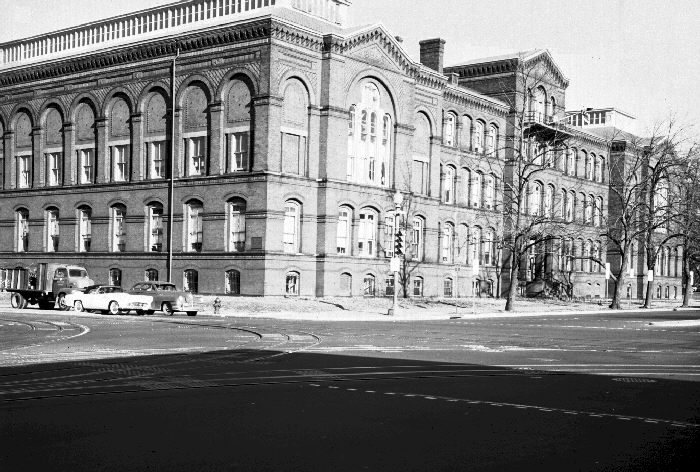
x=288, y=134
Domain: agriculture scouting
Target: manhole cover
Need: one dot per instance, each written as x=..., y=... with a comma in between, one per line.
x=634, y=380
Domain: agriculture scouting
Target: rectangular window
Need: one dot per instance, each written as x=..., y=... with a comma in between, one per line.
x=343, y=231
x=293, y=153
x=290, y=231
x=195, y=229
x=389, y=286
x=419, y=177
x=85, y=166
x=52, y=236
x=237, y=242
x=53, y=171
x=238, y=144
x=155, y=242
x=418, y=287
x=23, y=171
x=85, y=229
x=195, y=156
x=366, y=243
x=156, y=160
x=118, y=163
x=389, y=232
x=119, y=243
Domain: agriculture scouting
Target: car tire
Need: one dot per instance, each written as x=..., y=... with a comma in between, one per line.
x=18, y=301
x=168, y=309
x=113, y=308
x=191, y=313
x=61, y=302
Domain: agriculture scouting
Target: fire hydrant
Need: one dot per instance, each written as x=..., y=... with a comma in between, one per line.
x=217, y=305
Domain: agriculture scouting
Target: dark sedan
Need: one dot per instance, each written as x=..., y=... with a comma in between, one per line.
x=166, y=298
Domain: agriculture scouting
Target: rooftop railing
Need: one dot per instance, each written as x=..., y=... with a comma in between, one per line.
x=151, y=23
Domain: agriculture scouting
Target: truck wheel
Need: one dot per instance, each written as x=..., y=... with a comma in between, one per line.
x=61, y=302
x=18, y=301
x=113, y=308
x=78, y=306
x=168, y=309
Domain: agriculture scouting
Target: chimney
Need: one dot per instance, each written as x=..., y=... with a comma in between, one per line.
x=432, y=52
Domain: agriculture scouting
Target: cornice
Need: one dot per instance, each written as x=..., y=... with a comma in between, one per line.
x=463, y=97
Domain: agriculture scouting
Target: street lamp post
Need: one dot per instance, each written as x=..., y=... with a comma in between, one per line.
x=395, y=264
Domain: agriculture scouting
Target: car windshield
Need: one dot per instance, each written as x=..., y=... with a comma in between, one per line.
x=167, y=288
x=111, y=289
x=77, y=273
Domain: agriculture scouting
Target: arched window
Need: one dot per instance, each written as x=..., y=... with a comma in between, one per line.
x=549, y=201
x=154, y=228
x=238, y=106
x=292, y=227
x=196, y=130
x=598, y=211
x=115, y=277
x=52, y=230
x=571, y=206
x=590, y=159
x=492, y=140
x=447, y=247
x=118, y=224
x=369, y=286
x=119, y=142
x=588, y=211
x=417, y=238
x=344, y=231
x=538, y=100
x=571, y=161
x=418, y=286
x=448, y=184
x=292, y=284
x=552, y=110
x=447, y=287
x=489, y=192
x=233, y=282
x=84, y=228
x=582, y=202
x=475, y=187
x=236, y=224
x=369, y=153
x=601, y=169
x=450, y=129
x=53, y=147
x=156, y=144
x=488, y=247
x=476, y=245
x=151, y=275
x=535, y=199
x=22, y=230
x=479, y=138
x=367, y=235
x=420, y=170
x=190, y=282
x=194, y=226
x=85, y=143
x=345, y=285
x=467, y=129
x=462, y=244
x=587, y=254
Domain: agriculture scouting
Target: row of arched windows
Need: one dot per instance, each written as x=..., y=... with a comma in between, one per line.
x=470, y=134
x=579, y=255
x=544, y=200
x=476, y=189
x=669, y=262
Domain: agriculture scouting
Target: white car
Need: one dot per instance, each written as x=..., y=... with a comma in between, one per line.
x=109, y=298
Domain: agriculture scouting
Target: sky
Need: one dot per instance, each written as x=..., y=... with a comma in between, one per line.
x=641, y=56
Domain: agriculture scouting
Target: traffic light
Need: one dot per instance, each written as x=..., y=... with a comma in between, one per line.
x=398, y=244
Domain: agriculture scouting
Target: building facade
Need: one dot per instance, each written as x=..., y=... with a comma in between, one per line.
x=255, y=148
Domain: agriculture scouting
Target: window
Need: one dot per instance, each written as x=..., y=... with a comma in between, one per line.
x=448, y=185
x=22, y=230
x=467, y=132
x=151, y=275
x=492, y=140
x=346, y=285
x=535, y=199
x=450, y=120
x=237, y=157
x=418, y=287
x=292, y=227
x=489, y=192
x=53, y=169
x=292, y=284
x=155, y=227
x=295, y=128
x=476, y=245
x=233, y=282
x=86, y=159
x=589, y=165
x=194, y=226
x=190, y=281
x=118, y=228
x=343, y=239
x=588, y=211
x=52, y=230
x=368, y=286
x=84, y=229
x=571, y=161
x=389, y=289
x=115, y=277
x=417, y=238
x=24, y=177
x=119, y=172
x=548, y=201
x=156, y=159
x=195, y=156
x=237, y=225
x=488, y=248
x=447, y=288
x=570, y=205
x=367, y=233
x=389, y=235
x=447, y=247
x=475, y=189
x=479, y=137
x=419, y=177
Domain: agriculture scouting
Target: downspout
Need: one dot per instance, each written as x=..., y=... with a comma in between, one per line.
x=171, y=171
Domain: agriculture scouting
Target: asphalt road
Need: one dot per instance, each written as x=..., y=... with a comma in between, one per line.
x=577, y=392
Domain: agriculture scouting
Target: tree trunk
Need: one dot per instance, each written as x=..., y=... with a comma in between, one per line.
x=513, y=289
x=685, y=282
x=619, y=283
x=650, y=292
